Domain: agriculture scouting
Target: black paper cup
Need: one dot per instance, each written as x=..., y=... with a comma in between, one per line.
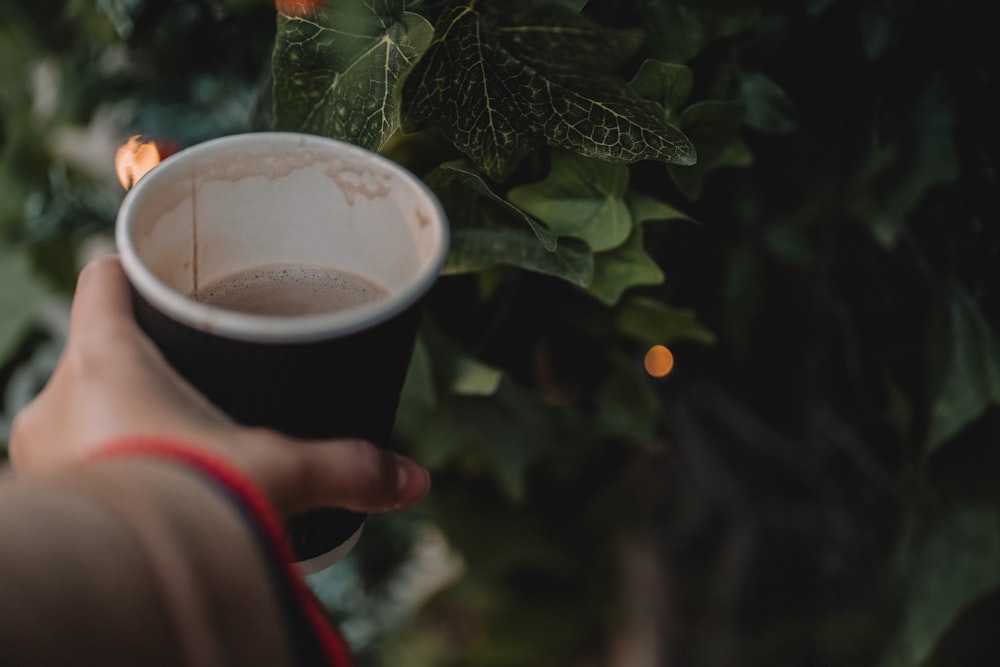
x=251, y=200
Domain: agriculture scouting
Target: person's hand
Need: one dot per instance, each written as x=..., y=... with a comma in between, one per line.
x=113, y=383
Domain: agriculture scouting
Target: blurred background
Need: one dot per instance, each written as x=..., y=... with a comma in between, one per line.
x=814, y=483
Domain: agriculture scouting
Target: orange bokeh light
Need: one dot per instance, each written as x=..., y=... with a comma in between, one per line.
x=659, y=361
x=134, y=159
x=298, y=8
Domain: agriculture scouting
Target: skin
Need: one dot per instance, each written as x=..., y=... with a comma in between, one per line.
x=112, y=382
x=133, y=560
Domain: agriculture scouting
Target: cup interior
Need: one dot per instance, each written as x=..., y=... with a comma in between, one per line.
x=244, y=201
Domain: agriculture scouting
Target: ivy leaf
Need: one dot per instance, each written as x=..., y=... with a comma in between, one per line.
x=474, y=378
x=501, y=84
x=647, y=209
x=713, y=125
x=653, y=322
x=488, y=231
x=903, y=166
x=419, y=388
x=964, y=365
x=457, y=372
x=581, y=197
x=516, y=429
x=336, y=69
x=629, y=265
x=947, y=562
x=667, y=84
x=439, y=372
x=768, y=107
x=472, y=180
x=451, y=370
x=476, y=414
x=477, y=249
x=683, y=28
x=626, y=266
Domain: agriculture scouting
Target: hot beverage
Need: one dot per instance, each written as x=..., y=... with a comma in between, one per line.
x=289, y=290
x=295, y=346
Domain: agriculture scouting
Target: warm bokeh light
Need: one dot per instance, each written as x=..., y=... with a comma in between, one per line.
x=659, y=361
x=134, y=159
x=298, y=8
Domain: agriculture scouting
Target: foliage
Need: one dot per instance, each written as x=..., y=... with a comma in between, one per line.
x=800, y=199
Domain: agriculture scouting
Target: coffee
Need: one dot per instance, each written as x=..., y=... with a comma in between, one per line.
x=252, y=200
x=289, y=289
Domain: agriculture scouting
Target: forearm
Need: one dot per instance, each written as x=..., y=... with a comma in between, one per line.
x=132, y=561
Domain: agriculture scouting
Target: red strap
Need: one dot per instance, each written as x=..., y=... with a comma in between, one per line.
x=256, y=503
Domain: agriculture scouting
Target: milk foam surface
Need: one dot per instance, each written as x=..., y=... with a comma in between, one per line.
x=289, y=290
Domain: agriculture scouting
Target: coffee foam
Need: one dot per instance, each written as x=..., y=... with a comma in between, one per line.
x=289, y=290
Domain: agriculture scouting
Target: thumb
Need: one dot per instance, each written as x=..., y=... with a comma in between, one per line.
x=355, y=475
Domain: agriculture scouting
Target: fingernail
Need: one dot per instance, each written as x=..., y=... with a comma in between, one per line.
x=412, y=480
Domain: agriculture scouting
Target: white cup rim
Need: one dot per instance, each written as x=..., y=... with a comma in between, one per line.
x=272, y=328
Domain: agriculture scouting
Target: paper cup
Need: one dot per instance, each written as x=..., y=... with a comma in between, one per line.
x=252, y=200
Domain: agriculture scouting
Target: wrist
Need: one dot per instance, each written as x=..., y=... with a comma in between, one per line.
x=313, y=640
x=205, y=566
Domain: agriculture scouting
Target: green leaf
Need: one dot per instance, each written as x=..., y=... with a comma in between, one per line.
x=419, y=388
x=964, y=365
x=478, y=414
x=581, y=197
x=946, y=563
x=472, y=180
x=500, y=84
x=768, y=107
x=439, y=372
x=479, y=249
x=488, y=231
x=917, y=154
x=648, y=209
x=654, y=322
x=628, y=265
x=21, y=294
x=683, y=28
x=515, y=430
x=713, y=125
x=336, y=70
x=454, y=372
x=474, y=378
x=459, y=373
x=667, y=84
